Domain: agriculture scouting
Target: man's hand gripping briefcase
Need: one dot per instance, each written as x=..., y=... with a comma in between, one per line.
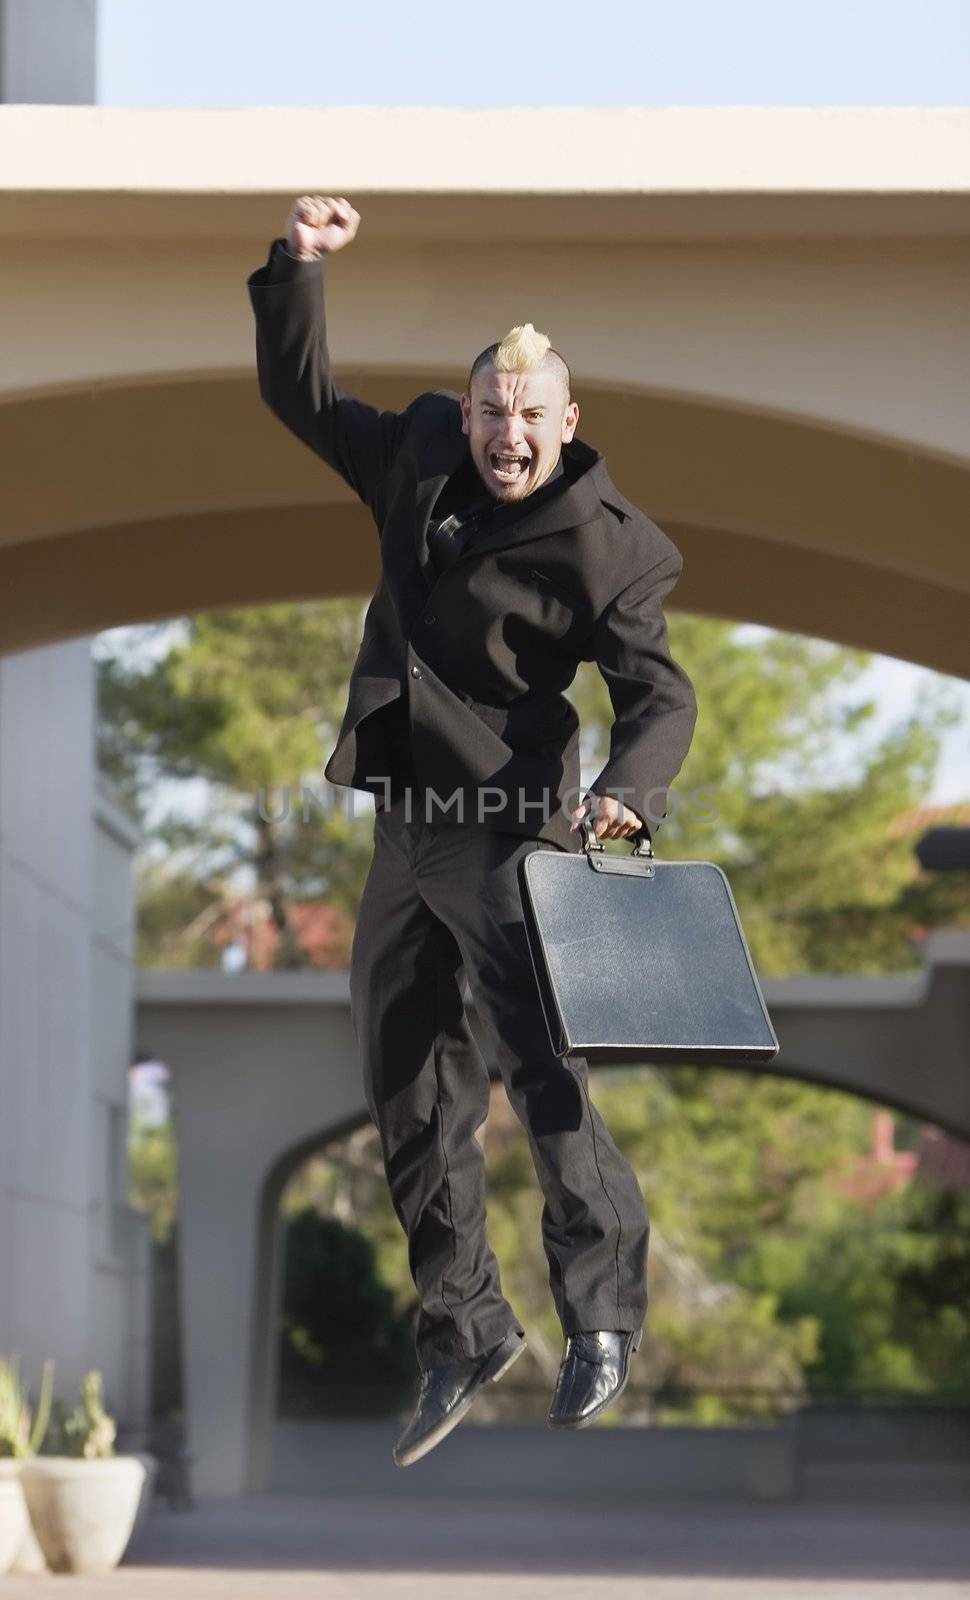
x=641, y=960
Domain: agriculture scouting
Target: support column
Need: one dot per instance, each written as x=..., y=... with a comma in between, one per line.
x=48, y=52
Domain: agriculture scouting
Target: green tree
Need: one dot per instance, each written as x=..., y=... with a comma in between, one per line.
x=784, y=791
x=250, y=702
x=176, y=913
x=153, y=1175
x=334, y=1307
x=779, y=787
x=888, y=1287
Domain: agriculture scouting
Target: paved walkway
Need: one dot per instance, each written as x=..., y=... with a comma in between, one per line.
x=377, y=1549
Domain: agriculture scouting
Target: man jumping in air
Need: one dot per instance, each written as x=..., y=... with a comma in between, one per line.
x=506, y=557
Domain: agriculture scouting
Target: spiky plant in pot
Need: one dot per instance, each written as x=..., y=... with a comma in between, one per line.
x=22, y=1432
x=87, y=1432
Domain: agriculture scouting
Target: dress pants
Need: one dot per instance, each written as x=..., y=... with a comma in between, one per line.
x=441, y=899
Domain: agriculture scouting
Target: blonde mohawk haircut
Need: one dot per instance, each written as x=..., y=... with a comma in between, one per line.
x=522, y=349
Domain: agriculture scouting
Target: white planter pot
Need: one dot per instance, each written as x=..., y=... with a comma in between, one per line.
x=84, y=1512
x=14, y=1522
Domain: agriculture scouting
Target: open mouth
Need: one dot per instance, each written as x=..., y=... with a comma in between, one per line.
x=508, y=467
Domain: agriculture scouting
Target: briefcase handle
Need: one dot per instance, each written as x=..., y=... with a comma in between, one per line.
x=642, y=845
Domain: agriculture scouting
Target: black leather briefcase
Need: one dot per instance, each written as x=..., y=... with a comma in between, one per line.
x=641, y=960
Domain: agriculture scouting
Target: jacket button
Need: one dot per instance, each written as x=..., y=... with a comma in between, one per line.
x=415, y=672
x=430, y=618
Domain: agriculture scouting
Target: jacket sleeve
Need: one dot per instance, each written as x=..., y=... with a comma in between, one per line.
x=654, y=704
x=295, y=381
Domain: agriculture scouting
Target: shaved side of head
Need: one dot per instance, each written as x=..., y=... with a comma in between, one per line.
x=523, y=349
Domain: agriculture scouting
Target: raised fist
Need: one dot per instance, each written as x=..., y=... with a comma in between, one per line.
x=318, y=225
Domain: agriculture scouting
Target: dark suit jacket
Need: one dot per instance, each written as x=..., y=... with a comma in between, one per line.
x=486, y=650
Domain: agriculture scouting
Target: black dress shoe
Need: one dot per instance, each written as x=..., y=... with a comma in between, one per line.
x=593, y=1374
x=447, y=1390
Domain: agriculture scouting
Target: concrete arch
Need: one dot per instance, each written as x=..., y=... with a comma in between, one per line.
x=177, y=496
x=766, y=312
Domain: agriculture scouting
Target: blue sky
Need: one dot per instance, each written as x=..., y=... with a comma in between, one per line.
x=639, y=52
x=633, y=52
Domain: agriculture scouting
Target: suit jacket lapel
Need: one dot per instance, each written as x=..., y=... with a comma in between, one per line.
x=448, y=455
x=576, y=503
